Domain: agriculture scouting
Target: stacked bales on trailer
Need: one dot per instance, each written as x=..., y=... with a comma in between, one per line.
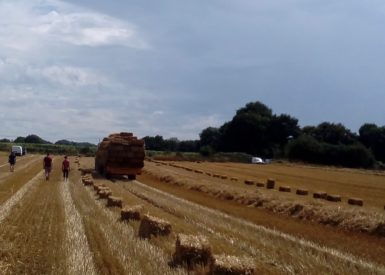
x=120, y=154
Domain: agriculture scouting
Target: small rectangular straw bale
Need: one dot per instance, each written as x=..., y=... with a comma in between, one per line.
x=232, y=265
x=270, y=184
x=320, y=195
x=104, y=194
x=284, y=189
x=153, y=226
x=131, y=213
x=356, y=201
x=302, y=192
x=260, y=184
x=192, y=250
x=335, y=198
x=115, y=201
x=249, y=182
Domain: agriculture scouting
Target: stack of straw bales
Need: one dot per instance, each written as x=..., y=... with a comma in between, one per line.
x=122, y=149
x=153, y=226
x=87, y=180
x=232, y=265
x=131, y=213
x=114, y=201
x=192, y=250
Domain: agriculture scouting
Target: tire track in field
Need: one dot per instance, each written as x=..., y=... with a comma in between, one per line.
x=10, y=203
x=32, y=234
x=134, y=255
x=79, y=256
x=179, y=206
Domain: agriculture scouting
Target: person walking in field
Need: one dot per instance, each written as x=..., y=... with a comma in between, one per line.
x=47, y=165
x=12, y=161
x=65, y=167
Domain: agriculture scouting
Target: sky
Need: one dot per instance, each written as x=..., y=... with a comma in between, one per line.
x=79, y=70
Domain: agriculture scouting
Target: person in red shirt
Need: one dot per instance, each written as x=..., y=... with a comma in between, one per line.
x=47, y=165
x=65, y=168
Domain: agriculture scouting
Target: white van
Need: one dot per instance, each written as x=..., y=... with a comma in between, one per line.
x=18, y=150
x=257, y=160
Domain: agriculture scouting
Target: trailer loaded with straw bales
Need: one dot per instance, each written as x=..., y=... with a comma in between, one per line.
x=120, y=154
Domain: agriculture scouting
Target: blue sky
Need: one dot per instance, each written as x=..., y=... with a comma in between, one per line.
x=80, y=70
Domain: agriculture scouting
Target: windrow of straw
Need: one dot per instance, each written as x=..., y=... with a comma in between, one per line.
x=318, y=211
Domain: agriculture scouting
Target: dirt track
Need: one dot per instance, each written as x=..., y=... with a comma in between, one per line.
x=58, y=227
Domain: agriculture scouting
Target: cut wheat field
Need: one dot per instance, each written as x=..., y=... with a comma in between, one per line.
x=57, y=227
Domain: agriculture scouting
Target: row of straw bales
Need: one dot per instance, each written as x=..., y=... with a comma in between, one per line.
x=190, y=250
x=351, y=219
x=270, y=184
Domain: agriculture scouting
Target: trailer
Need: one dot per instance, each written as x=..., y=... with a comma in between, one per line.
x=120, y=154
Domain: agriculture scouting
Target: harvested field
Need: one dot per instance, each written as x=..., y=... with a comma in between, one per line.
x=57, y=227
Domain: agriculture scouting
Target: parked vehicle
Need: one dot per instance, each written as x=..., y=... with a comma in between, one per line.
x=257, y=160
x=18, y=150
x=120, y=154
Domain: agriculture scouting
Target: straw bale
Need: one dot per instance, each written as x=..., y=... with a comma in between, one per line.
x=224, y=177
x=234, y=179
x=302, y=192
x=284, y=189
x=232, y=265
x=249, y=182
x=320, y=195
x=192, y=250
x=131, y=213
x=153, y=226
x=114, y=201
x=356, y=201
x=335, y=198
x=104, y=194
x=270, y=184
x=208, y=174
x=216, y=176
x=198, y=171
x=260, y=184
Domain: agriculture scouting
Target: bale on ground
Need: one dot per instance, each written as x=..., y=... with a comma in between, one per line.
x=260, y=184
x=104, y=194
x=302, y=192
x=234, y=179
x=153, y=226
x=131, y=213
x=284, y=189
x=356, y=201
x=192, y=250
x=270, y=184
x=320, y=195
x=224, y=177
x=232, y=265
x=335, y=198
x=114, y=201
x=249, y=182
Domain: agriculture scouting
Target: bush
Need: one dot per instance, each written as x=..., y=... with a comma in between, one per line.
x=306, y=148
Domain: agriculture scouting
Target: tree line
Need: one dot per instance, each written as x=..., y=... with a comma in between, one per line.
x=256, y=130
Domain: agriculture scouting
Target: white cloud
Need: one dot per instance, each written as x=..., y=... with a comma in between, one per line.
x=87, y=29
x=68, y=76
x=35, y=25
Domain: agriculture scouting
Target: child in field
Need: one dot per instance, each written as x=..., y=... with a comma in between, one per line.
x=12, y=161
x=65, y=168
x=47, y=165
